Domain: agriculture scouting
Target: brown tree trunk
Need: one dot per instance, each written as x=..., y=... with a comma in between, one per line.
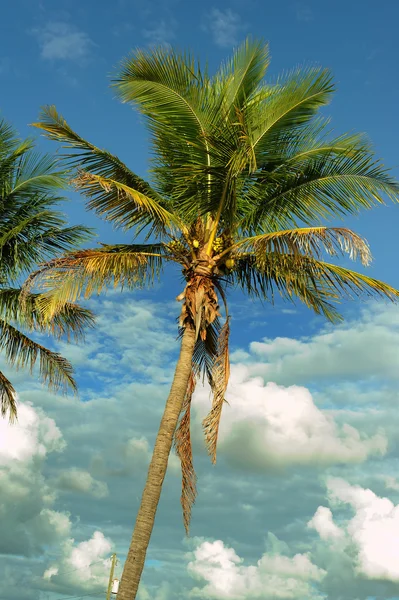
x=156, y=472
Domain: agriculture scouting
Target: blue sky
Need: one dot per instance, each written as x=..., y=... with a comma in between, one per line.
x=314, y=407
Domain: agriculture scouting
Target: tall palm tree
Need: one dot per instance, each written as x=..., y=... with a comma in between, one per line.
x=31, y=231
x=243, y=177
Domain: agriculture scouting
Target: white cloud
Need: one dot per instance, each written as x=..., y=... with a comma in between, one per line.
x=374, y=529
x=224, y=26
x=28, y=519
x=274, y=575
x=272, y=426
x=322, y=522
x=60, y=40
x=81, y=481
x=33, y=435
x=85, y=565
x=160, y=33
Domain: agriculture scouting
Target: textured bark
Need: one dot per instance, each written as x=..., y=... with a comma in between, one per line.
x=156, y=472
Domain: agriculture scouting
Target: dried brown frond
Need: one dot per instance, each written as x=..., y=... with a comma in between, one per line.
x=184, y=452
x=220, y=379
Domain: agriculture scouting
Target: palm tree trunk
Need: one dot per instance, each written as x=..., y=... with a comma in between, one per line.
x=156, y=472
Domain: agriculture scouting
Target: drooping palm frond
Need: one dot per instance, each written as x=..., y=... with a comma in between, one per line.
x=319, y=285
x=122, y=204
x=8, y=398
x=88, y=272
x=31, y=311
x=219, y=380
x=21, y=352
x=182, y=442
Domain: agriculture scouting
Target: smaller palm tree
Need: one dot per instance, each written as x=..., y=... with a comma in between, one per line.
x=31, y=231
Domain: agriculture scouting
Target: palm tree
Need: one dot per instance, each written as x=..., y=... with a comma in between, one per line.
x=32, y=231
x=243, y=177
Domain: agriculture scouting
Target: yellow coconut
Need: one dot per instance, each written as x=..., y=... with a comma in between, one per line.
x=230, y=262
x=196, y=243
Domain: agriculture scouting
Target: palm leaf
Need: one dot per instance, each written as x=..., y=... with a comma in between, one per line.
x=98, y=162
x=239, y=79
x=219, y=380
x=310, y=241
x=319, y=285
x=182, y=442
x=8, y=398
x=88, y=272
x=30, y=310
x=21, y=352
x=291, y=103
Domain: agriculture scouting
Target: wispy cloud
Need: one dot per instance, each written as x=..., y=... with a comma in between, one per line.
x=224, y=26
x=304, y=13
x=59, y=40
x=161, y=33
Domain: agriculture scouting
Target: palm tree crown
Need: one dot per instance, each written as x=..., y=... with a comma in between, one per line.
x=244, y=176
x=31, y=231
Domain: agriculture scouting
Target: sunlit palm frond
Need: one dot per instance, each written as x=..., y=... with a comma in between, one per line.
x=122, y=189
x=21, y=352
x=88, y=272
x=309, y=241
x=122, y=204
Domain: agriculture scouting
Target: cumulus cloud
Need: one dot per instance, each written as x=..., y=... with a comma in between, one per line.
x=224, y=26
x=274, y=575
x=81, y=481
x=28, y=520
x=322, y=522
x=59, y=40
x=373, y=530
x=266, y=426
x=83, y=567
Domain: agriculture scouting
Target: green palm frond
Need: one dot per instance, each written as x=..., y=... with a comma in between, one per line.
x=319, y=285
x=291, y=103
x=21, y=352
x=8, y=398
x=125, y=197
x=30, y=312
x=170, y=90
x=330, y=186
x=237, y=82
x=88, y=272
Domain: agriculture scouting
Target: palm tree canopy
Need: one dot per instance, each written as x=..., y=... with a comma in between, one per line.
x=31, y=231
x=244, y=176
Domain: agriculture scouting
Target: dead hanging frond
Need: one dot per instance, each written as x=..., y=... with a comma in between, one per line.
x=219, y=381
x=184, y=452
